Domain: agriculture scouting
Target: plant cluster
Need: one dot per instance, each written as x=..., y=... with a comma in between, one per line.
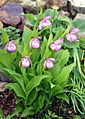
x=43, y=64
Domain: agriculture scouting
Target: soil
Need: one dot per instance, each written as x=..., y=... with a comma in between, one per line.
x=7, y=102
x=59, y=107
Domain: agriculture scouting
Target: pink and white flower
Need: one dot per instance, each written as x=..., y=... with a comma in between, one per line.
x=48, y=63
x=25, y=62
x=34, y=43
x=44, y=22
x=71, y=36
x=55, y=46
x=11, y=46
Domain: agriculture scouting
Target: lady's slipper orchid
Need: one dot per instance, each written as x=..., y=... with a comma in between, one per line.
x=48, y=64
x=44, y=22
x=25, y=62
x=56, y=45
x=11, y=46
x=34, y=43
x=74, y=30
x=71, y=36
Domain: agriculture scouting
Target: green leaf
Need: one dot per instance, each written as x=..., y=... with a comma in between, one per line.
x=26, y=38
x=45, y=86
x=32, y=96
x=35, y=53
x=5, y=37
x=7, y=58
x=21, y=83
x=39, y=17
x=55, y=71
x=35, y=81
x=76, y=117
x=64, y=74
x=26, y=34
x=40, y=67
x=63, y=96
x=82, y=43
x=1, y=114
x=43, y=46
x=17, y=77
x=63, y=57
x=71, y=44
x=47, y=51
x=56, y=90
x=28, y=111
x=80, y=23
x=39, y=103
x=59, y=32
x=18, y=100
x=9, y=117
x=17, y=89
x=50, y=12
x=30, y=16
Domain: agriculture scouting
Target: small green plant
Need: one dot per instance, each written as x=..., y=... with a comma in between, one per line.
x=12, y=32
x=51, y=115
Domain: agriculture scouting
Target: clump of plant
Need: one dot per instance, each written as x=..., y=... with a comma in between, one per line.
x=9, y=32
x=38, y=64
x=12, y=32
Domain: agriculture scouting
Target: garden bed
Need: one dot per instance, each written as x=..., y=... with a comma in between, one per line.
x=42, y=65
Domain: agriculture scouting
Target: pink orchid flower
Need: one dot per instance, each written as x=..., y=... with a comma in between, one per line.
x=34, y=43
x=11, y=46
x=55, y=46
x=25, y=62
x=48, y=63
x=44, y=22
x=71, y=36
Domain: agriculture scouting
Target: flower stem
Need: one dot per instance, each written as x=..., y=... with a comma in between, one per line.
x=37, y=6
x=78, y=62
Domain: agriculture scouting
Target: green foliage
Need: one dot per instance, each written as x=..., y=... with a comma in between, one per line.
x=1, y=114
x=12, y=32
x=50, y=115
x=5, y=38
x=82, y=43
x=79, y=23
x=77, y=94
x=35, y=86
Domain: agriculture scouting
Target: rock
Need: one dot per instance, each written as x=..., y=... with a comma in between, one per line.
x=78, y=3
x=4, y=78
x=3, y=86
x=11, y=13
x=2, y=2
x=57, y=4
x=30, y=5
x=1, y=25
x=80, y=16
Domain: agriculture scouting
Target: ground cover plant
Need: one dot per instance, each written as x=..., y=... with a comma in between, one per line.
x=43, y=64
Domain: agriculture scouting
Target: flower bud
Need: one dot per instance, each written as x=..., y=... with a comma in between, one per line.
x=74, y=30
x=56, y=45
x=48, y=64
x=25, y=62
x=34, y=43
x=11, y=46
x=71, y=37
x=44, y=22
